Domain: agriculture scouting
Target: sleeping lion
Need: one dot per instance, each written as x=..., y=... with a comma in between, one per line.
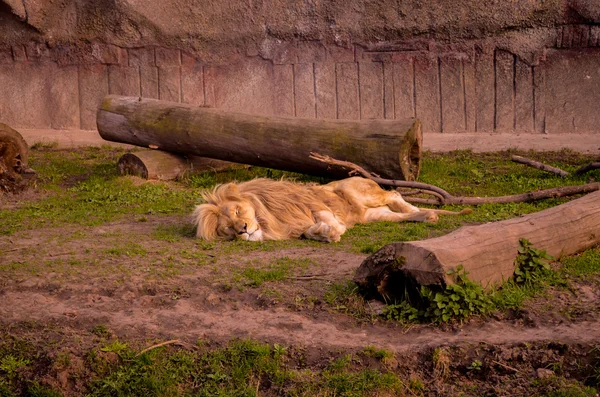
x=264, y=209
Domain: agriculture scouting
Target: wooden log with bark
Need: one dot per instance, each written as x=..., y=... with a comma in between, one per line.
x=165, y=166
x=14, y=154
x=390, y=148
x=487, y=252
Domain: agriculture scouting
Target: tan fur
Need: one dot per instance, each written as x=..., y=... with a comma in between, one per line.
x=264, y=209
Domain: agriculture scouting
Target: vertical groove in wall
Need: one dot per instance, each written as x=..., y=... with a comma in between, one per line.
x=383, y=90
x=464, y=86
x=314, y=69
x=180, y=76
x=294, y=90
x=360, y=111
x=439, y=70
x=79, y=92
x=337, y=93
x=414, y=88
x=533, y=104
x=393, y=91
x=495, y=94
x=514, y=93
x=204, y=83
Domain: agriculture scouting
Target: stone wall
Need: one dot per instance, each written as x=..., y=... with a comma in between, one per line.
x=466, y=88
x=462, y=66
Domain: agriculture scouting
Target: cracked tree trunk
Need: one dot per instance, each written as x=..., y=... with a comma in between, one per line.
x=390, y=148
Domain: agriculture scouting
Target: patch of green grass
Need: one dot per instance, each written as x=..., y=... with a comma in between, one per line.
x=173, y=233
x=380, y=354
x=243, y=368
x=583, y=264
x=210, y=179
x=278, y=269
x=10, y=365
x=130, y=249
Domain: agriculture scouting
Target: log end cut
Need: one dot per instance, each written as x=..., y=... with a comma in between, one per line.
x=130, y=164
x=397, y=271
x=409, y=155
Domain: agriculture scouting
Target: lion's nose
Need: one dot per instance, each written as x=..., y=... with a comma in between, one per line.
x=244, y=229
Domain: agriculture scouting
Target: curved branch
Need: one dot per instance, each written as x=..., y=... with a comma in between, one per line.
x=447, y=198
x=387, y=182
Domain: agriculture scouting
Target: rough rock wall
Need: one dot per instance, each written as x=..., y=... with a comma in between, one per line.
x=461, y=65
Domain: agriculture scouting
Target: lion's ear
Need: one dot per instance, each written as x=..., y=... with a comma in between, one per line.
x=206, y=219
x=230, y=191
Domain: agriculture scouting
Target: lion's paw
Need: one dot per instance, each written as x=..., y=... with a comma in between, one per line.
x=431, y=217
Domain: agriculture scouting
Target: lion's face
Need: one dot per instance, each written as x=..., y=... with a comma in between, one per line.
x=237, y=219
x=227, y=219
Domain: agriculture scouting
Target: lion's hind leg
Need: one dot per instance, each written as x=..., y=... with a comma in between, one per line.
x=327, y=228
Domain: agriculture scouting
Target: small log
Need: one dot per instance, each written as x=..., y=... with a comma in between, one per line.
x=14, y=154
x=487, y=251
x=165, y=166
x=587, y=168
x=538, y=165
x=390, y=148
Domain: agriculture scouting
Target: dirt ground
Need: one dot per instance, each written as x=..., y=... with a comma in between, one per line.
x=197, y=304
x=58, y=283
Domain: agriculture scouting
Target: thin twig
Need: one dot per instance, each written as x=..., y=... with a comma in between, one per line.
x=506, y=366
x=539, y=166
x=562, y=191
x=169, y=342
x=321, y=276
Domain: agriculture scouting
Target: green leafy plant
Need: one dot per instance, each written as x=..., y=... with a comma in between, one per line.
x=457, y=301
x=10, y=365
x=476, y=365
x=531, y=264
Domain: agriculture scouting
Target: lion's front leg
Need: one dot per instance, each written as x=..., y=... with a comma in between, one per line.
x=327, y=228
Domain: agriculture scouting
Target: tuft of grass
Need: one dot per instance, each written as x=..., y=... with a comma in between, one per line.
x=173, y=233
x=380, y=354
x=278, y=269
x=130, y=249
x=10, y=365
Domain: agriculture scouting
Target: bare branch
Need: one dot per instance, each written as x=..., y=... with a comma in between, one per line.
x=446, y=198
x=586, y=168
x=539, y=166
x=381, y=181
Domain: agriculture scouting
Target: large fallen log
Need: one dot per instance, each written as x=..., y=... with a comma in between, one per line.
x=165, y=166
x=390, y=148
x=487, y=252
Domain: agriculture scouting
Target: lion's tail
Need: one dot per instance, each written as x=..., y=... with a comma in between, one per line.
x=465, y=211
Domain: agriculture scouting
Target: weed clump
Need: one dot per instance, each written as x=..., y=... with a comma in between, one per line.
x=465, y=298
